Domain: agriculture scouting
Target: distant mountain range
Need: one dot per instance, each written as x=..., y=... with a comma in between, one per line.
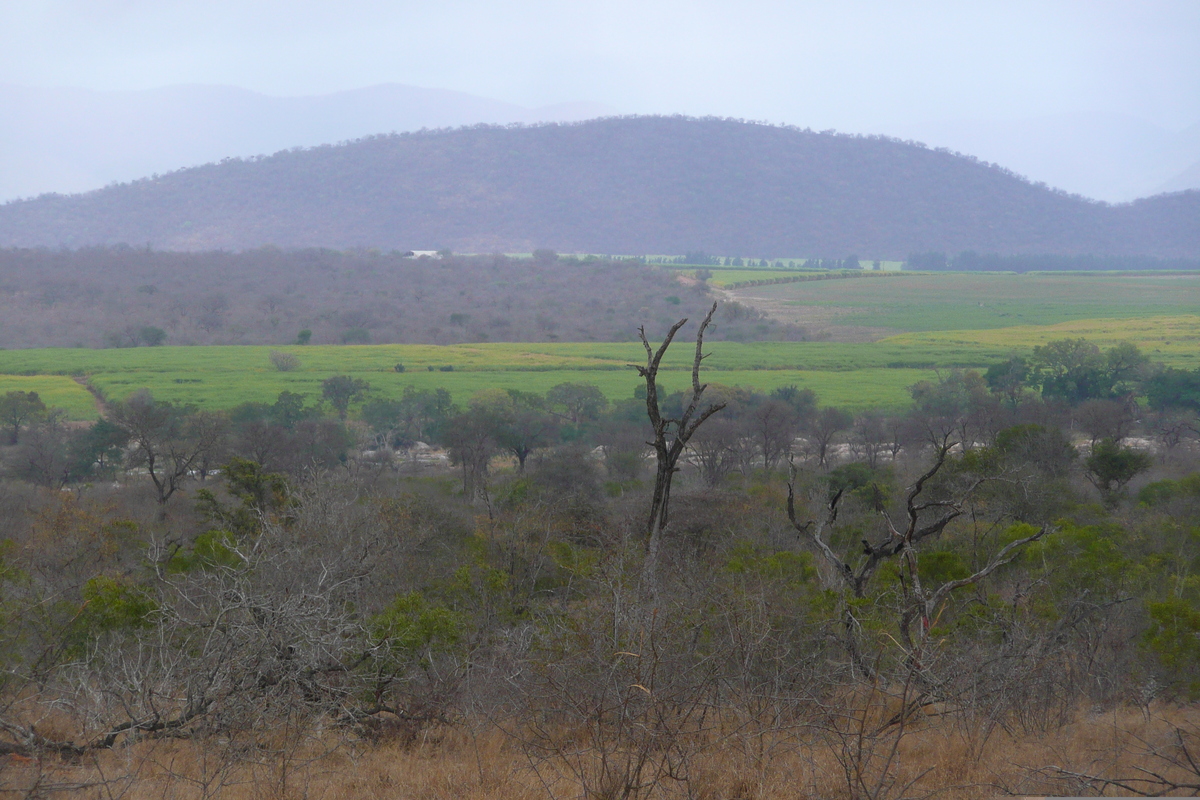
x=616, y=185
x=73, y=140
x=69, y=140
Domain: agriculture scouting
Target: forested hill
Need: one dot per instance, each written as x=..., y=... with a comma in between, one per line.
x=626, y=185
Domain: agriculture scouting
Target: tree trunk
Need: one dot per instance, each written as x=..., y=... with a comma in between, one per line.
x=670, y=438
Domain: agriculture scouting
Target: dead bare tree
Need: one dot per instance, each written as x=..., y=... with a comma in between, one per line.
x=896, y=542
x=925, y=519
x=671, y=437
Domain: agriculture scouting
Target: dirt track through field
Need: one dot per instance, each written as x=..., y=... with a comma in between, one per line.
x=101, y=406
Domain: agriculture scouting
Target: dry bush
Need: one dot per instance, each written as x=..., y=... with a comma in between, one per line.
x=284, y=362
x=733, y=760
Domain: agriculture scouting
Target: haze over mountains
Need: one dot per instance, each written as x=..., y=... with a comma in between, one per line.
x=618, y=185
x=74, y=140
x=1103, y=156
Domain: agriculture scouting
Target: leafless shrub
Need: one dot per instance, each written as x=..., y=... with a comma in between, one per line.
x=623, y=711
x=284, y=362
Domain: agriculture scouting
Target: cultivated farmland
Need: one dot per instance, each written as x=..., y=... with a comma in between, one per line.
x=851, y=310
x=726, y=276
x=854, y=375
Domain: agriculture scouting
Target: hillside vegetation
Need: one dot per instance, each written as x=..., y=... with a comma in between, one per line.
x=125, y=297
x=623, y=185
x=988, y=589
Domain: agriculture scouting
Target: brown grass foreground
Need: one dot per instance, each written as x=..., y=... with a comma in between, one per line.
x=940, y=756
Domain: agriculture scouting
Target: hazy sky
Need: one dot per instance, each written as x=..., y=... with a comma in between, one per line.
x=849, y=65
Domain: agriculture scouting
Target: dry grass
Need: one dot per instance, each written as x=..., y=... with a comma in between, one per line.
x=942, y=756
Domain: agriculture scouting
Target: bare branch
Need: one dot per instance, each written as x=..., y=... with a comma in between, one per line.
x=667, y=450
x=814, y=532
x=1006, y=555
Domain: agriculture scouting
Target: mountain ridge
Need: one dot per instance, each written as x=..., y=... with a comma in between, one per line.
x=633, y=185
x=1104, y=156
x=75, y=140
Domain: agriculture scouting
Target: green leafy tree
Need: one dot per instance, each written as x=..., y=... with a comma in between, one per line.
x=1111, y=466
x=385, y=417
x=1174, y=637
x=151, y=336
x=18, y=409
x=802, y=401
x=416, y=416
x=99, y=451
x=109, y=605
x=342, y=390
x=1029, y=469
x=1076, y=369
x=1009, y=379
x=263, y=496
x=412, y=627
x=288, y=410
x=577, y=402
x=425, y=412
x=526, y=426
x=1046, y=448
x=1174, y=388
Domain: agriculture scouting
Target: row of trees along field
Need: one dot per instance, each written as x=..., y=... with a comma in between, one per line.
x=126, y=297
x=970, y=261
x=698, y=259
x=719, y=591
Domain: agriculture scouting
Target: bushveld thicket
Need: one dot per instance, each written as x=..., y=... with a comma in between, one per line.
x=126, y=297
x=995, y=591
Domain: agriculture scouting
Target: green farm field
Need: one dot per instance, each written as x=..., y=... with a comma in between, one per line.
x=724, y=276
x=852, y=375
x=936, y=321
x=972, y=301
x=1173, y=340
x=56, y=391
x=222, y=377
x=226, y=388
